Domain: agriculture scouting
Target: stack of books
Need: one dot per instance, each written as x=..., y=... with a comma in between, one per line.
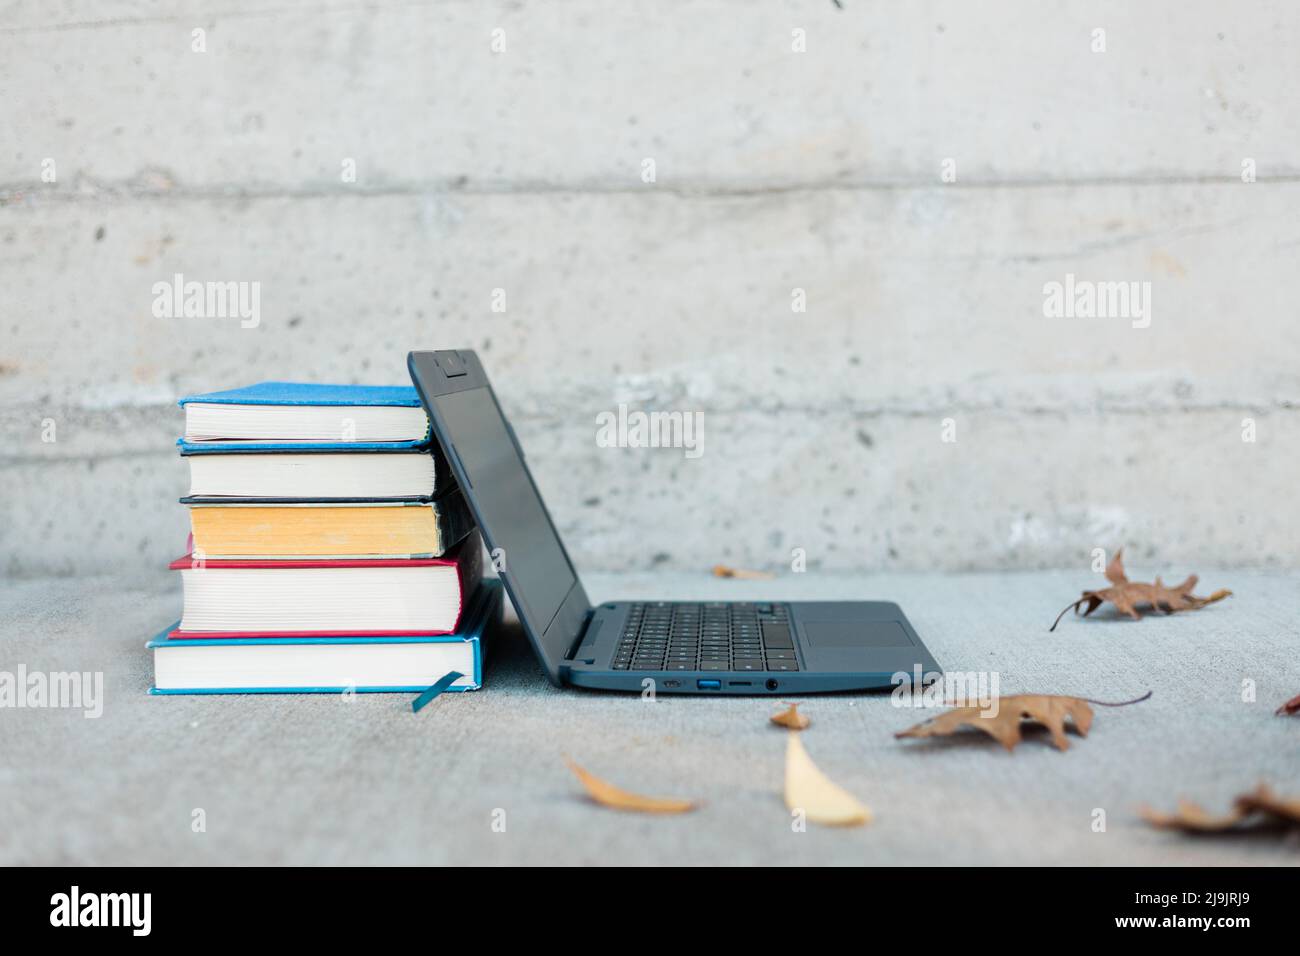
x=330, y=549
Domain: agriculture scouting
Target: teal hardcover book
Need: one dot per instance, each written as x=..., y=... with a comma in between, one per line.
x=298, y=416
x=329, y=665
x=309, y=393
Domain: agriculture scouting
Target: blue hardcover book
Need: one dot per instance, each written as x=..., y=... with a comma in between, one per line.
x=328, y=665
x=302, y=417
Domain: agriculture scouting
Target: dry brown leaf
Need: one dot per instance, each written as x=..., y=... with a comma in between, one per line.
x=809, y=790
x=1264, y=800
x=1261, y=808
x=609, y=795
x=1192, y=818
x=1128, y=596
x=1004, y=726
x=724, y=571
x=1290, y=708
x=790, y=717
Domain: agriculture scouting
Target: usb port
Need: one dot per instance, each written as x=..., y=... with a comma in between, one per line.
x=709, y=684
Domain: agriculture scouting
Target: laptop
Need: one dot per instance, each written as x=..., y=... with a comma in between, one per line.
x=686, y=647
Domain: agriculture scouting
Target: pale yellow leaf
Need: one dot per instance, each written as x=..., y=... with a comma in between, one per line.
x=609, y=795
x=808, y=790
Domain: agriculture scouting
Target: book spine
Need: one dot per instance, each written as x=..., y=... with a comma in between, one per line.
x=443, y=479
x=453, y=519
x=469, y=564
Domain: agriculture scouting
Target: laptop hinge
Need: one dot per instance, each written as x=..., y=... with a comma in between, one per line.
x=583, y=633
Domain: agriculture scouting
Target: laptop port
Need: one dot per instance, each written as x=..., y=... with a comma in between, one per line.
x=740, y=683
x=672, y=683
x=772, y=684
x=709, y=684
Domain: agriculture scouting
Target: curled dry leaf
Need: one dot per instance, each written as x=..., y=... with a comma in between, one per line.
x=809, y=790
x=1261, y=808
x=724, y=571
x=1264, y=800
x=1002, y=718
x=1290, y=708
x=1192, y=818
x=609, y=795
x=1128, y=596
x=790, y=717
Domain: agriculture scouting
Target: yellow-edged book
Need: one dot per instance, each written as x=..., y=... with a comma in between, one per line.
x=372, y=529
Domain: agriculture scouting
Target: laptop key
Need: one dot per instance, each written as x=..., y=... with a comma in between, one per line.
x=782, y=666
x=777, y=636
x=779, y=655
x=748, y=664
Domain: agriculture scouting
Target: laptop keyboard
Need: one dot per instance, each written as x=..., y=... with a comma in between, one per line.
x=667, y=636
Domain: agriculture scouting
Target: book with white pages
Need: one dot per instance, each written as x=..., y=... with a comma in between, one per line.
x=280, y=414
x=340, y=475
x=268, y=664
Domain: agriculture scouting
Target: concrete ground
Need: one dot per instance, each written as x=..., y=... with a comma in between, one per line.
x=321, y=780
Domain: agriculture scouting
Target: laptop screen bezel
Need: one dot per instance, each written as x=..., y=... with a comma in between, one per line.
x=459, y=371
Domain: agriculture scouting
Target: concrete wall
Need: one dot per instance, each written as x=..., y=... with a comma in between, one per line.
x=775, y=171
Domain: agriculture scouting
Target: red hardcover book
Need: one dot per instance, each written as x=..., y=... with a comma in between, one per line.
x=400, y=597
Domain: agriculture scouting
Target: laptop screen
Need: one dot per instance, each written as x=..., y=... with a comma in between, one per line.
x=507, y=502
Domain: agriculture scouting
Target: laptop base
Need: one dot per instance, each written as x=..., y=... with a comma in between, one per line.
x=835, y=646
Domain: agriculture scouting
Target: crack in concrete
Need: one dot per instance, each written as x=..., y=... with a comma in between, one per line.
x=874, y=409
x=213, y=17
x=137, y=188
x=542, y=422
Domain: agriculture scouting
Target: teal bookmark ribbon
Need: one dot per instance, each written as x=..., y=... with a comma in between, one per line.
x=443, y=682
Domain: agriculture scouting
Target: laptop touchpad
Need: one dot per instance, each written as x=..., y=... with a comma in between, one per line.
x=842, y=634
